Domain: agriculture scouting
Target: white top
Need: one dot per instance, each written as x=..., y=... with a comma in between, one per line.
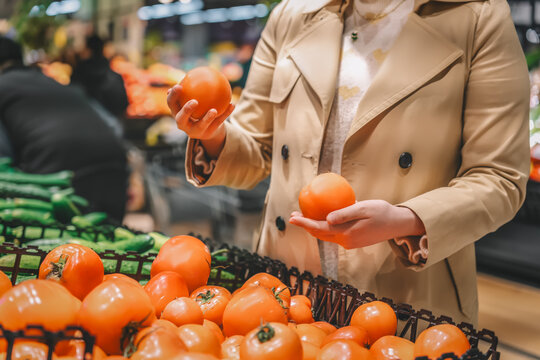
x=360, y=61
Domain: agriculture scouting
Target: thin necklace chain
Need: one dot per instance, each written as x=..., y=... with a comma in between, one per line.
x=381, y=15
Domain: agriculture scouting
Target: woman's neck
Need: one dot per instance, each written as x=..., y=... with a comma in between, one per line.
x=374, y=7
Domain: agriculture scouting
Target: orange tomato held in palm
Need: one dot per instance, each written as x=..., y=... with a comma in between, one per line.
x=209, y=87
x=187, y=256
x=354, y=333
x=113, y=308
x=199, y=339
x=392, y=347
x=212, y=300
x=5, y=283
x=183, y=311
x=251, y=306
x=343, y=350
x=38, y=302
x=271, y=341
x=326, y=193
x=440, y=339
x=164, y=288
x=377, y=317
x=77, y=267
x=300, y=310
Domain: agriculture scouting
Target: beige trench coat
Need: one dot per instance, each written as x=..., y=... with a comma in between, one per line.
x=452, y=93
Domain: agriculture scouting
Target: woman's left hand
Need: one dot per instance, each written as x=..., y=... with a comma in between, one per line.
x=362, y=224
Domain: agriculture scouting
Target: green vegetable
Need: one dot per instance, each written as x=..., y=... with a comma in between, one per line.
x=95, y=236
x=122, y=234
x=27, y=216
x=10, y=190
x=30, y=262
x=128, y=267
x=89, y=220
x=62, y=179
x=139, y=243
x=96, y=246
x=5, y=162
x=35, y=232
x=78, y=200
x=225, y=275
x=64, y=209
x=32, y=204
x=159, y=240
x=47, y=244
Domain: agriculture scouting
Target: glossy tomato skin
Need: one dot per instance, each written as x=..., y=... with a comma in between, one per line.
x=354, y=333
x=5, y=283
x=118, y=276
x=310, y=351
x=300, y=310
x=187, y=256
x=325, y=326
x=212, y=326
x=326, y=193
x=165, y=324
x=183, y=311
x=271, y=341
x=38, y=302
x=213, y=300
x=209, y=87
x=343, y=350
x=199, y=339
x=230, y=348
x=377, y=317
x=194, y=356
x=440, y=339
x=157, y=343
x=75, y=349
x=164, y=288
x=111, y=307
x=78, y=268
x=270, y=282
x=248, y=308
x=392, y=348
x=29, y=350
x=311, y=334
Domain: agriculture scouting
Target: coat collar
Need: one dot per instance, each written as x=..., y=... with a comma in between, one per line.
x=316, y=5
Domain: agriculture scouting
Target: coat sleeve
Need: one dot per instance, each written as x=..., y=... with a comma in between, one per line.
x=490, y=185
x=247, y=154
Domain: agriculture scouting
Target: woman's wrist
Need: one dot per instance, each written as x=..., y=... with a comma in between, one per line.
x=214, y=145
x=409, y=223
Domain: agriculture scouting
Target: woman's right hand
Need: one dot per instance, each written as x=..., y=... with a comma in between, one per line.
x=208, y=128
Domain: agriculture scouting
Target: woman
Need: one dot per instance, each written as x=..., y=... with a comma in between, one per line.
x=421, y=105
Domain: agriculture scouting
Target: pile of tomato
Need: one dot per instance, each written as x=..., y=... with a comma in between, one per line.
x=178, y=316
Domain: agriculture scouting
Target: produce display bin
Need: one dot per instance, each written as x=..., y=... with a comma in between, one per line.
x=331, y=300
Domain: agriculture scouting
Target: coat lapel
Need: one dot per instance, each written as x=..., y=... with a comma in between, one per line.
x=316, y=53
x=418, y=55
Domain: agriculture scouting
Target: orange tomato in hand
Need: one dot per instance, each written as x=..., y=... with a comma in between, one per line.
x=212, y=300
x=440, y=339
x=251, y=306
x=208, y=86
x=38, y=302
x=5, y=283
x=199, y=339
x=354, y=333
x=76, y=267
x=271, y=341
x=183, y=311
x=230, y=348
x=270, y=282
x=343, y=350
x=300, y=310
x=377, y=317
x=111, y=309
x=164, y=288
x=186, y=255
x=311, y=334
x=392, y=348
x=326, y=193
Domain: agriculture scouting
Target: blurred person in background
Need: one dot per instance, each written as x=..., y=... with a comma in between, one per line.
x=93, y=73
x=48, y=127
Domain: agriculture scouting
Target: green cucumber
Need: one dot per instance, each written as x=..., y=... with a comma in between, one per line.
x=47, y=243
x=159, y=239
x=5, y=162
x=139, y=243
x=28, y=262
x=89, y=220
x=35, y=232
x=121, y=233
x=78, y=200
x=27, y=216
x=10, y=190
x=62, y=179
x=32, y=204
x=96, y=246
x=64, y=209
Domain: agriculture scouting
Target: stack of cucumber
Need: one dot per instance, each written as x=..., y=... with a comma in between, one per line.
x=43, y=210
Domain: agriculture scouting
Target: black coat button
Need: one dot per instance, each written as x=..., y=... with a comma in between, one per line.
x=285, y=152
x=405, y=160
x=280, y=223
